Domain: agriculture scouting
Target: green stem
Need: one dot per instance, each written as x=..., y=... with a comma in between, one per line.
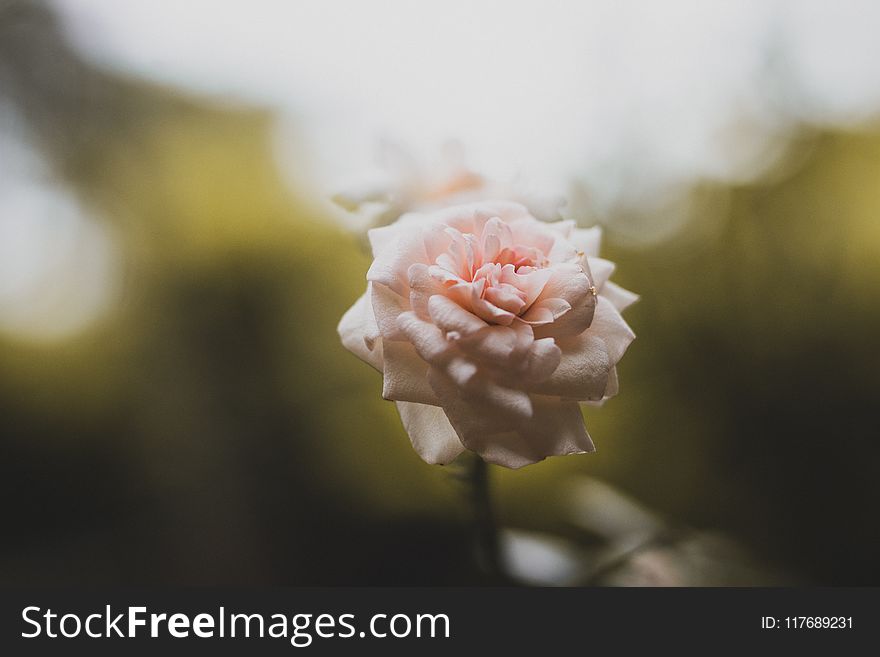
x=486, y=541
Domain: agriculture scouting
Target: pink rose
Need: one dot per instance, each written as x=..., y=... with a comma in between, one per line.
x=490, y=327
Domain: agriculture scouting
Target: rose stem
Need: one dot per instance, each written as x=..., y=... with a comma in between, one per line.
x=486, y=531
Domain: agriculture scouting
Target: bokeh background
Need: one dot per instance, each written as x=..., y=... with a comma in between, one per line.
x=174, y=403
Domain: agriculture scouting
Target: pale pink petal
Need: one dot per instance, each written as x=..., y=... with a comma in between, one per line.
x=387, y=305
x=572, y=285
x=496, y=346
x=600, y=271
x=618, y=296
x=507, y=211
x=555, y=429
x=546, y=311
x=563, y=227
x=491, y=313
x=563, y=251
x=496, y=236
x=405, y=375
x=530, y=282
x=587, y=240
x=541, y=360
x=381, y=238
x=449, y=316
x=396, y=256
x=613, y=387
x=429, y=430
x=533, y=233
x=610, y=390
x=483, y=402
x=436, y=240
x=359, y=332
x=505, y=297
x=614, y=331
x=429, y=341
x=422, y=287
x=583, y=370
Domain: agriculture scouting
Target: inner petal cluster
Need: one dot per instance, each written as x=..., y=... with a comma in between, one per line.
x=489, y=274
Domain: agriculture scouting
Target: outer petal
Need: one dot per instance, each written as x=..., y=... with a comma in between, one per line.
x=405, y=375
x=583, y=370
x=600, y=271
x=609, y=325
x=387, y=307
x=556, y=429
x=359, y=332
x=429, y=430
x=429, y=341
x=587, y=240
x=619, y=297
x=497, y=409
x=397, y=251
x=381, y=238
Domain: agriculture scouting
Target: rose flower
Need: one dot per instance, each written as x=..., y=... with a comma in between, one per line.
x=489, y=328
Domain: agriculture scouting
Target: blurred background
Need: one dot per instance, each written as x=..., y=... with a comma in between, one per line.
x=175, y=407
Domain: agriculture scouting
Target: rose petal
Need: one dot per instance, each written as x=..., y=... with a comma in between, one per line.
x=614, y=331
x=422, y=287
x=618, y=296
x=555, y=429
x=587, y=240
x=429, y=430
x=359, y=332
x=610, y=390
x=387, y=305
x=449, y=316
x=530, y=282
x=405, y=375
x=480, y=400
x=600, y=271
x=533, y=233
x=396, y=255
x=546, y=311
x=582, y=372
x=542, y=360
x=613, y=387
x=564, y=227
x=429, y=341
x=496, y=346
x=571, y=284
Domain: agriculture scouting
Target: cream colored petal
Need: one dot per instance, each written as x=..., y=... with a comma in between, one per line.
x=360, y=334
x=387, y=306
x=614, y=331
x=564, y=227
x=449, y=316
x=582, y=373
x=587, y=240
x=556, y=429
x=610, y=390
x=429, y=430
x=618, y=296
x=422, y=287
x=600, y=271
x=496, y=346
x=570, y=284
x=397, y=251
x=381, y=238
x=483, y=406
x=429, y=341
x=405, y=375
